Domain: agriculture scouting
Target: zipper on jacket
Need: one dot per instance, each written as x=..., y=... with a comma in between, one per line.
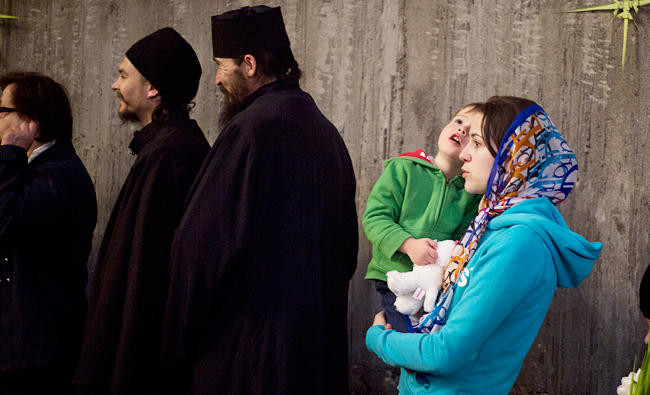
x=441, y=203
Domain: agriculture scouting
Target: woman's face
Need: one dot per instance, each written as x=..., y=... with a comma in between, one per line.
x=477, y=158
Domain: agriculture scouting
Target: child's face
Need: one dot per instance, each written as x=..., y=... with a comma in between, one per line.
x=455, y=135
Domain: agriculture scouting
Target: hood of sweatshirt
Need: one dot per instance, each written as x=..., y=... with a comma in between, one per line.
x=573, y=255
x=422, y=158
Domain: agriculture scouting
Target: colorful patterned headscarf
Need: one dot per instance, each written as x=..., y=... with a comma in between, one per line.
x=533, y=161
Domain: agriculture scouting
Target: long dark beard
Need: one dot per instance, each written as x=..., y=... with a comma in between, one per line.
x=233, y=101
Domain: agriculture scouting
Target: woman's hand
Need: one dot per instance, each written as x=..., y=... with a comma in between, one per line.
x=421, y=251
x=380, y=319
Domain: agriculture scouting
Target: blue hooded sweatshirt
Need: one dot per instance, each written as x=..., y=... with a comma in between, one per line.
x=497, y=309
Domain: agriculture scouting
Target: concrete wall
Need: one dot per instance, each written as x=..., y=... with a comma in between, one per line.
x=389, y=74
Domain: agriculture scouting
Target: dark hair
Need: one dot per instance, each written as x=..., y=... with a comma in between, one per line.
x=498, y=114
x=163, y=111
x=43, y=100
x=278, y=63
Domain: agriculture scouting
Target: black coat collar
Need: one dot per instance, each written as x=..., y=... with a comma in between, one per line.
x=274, y=86
x=60, y=150
x=143, y=136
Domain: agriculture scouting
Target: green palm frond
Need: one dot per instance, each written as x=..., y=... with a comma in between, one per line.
x=642, y=386
x=597, y=8
x=2, y=16
x=621, y=9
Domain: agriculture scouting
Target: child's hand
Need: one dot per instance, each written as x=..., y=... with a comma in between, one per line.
x=421, y=251
x=380, y=319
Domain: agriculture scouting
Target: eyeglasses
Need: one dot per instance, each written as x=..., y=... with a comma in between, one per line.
x=7, y=109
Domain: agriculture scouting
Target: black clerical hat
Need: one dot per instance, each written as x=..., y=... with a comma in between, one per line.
x=248, y=30
x=169, y=63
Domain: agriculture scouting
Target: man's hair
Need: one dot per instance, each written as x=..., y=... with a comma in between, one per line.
x=498, y=114
x=278, y=63
x=41, y=99
x=162, y=112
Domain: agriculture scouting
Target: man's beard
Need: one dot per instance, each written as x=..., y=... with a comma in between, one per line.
x=126, y=115
x=233, y=101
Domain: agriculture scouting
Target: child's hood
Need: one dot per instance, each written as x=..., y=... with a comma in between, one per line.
x=417, y=156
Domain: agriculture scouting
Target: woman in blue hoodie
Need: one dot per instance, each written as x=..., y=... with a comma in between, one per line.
x=499, y=284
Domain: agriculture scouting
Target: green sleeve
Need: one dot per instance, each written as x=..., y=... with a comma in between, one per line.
x=383, y=209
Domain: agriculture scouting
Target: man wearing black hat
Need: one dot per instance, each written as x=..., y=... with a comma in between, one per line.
x=267, y=245
x=121, y=351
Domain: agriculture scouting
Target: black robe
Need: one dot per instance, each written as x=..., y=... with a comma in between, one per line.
x=644, y=293
x=48, y=212
x=263, y=255
x=121, y=348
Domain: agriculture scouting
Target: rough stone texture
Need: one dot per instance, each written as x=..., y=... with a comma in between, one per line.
x=389, y=74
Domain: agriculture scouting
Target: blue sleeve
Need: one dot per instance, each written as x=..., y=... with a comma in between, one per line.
x=499, y=280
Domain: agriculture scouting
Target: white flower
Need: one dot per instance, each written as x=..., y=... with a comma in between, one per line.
x=626, y=383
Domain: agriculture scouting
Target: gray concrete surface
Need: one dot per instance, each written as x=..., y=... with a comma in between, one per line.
x=389, y=74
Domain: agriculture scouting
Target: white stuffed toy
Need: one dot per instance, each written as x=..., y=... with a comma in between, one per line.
x=423, y=282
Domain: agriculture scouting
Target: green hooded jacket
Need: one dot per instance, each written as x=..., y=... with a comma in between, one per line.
x=412, y=198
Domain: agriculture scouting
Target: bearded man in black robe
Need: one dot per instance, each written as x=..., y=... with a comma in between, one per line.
x=267, y=245
x=157, y=79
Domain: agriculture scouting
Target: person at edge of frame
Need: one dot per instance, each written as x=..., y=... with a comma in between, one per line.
x=48, y=211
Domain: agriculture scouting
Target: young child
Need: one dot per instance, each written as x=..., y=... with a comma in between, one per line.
x=418, y=199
